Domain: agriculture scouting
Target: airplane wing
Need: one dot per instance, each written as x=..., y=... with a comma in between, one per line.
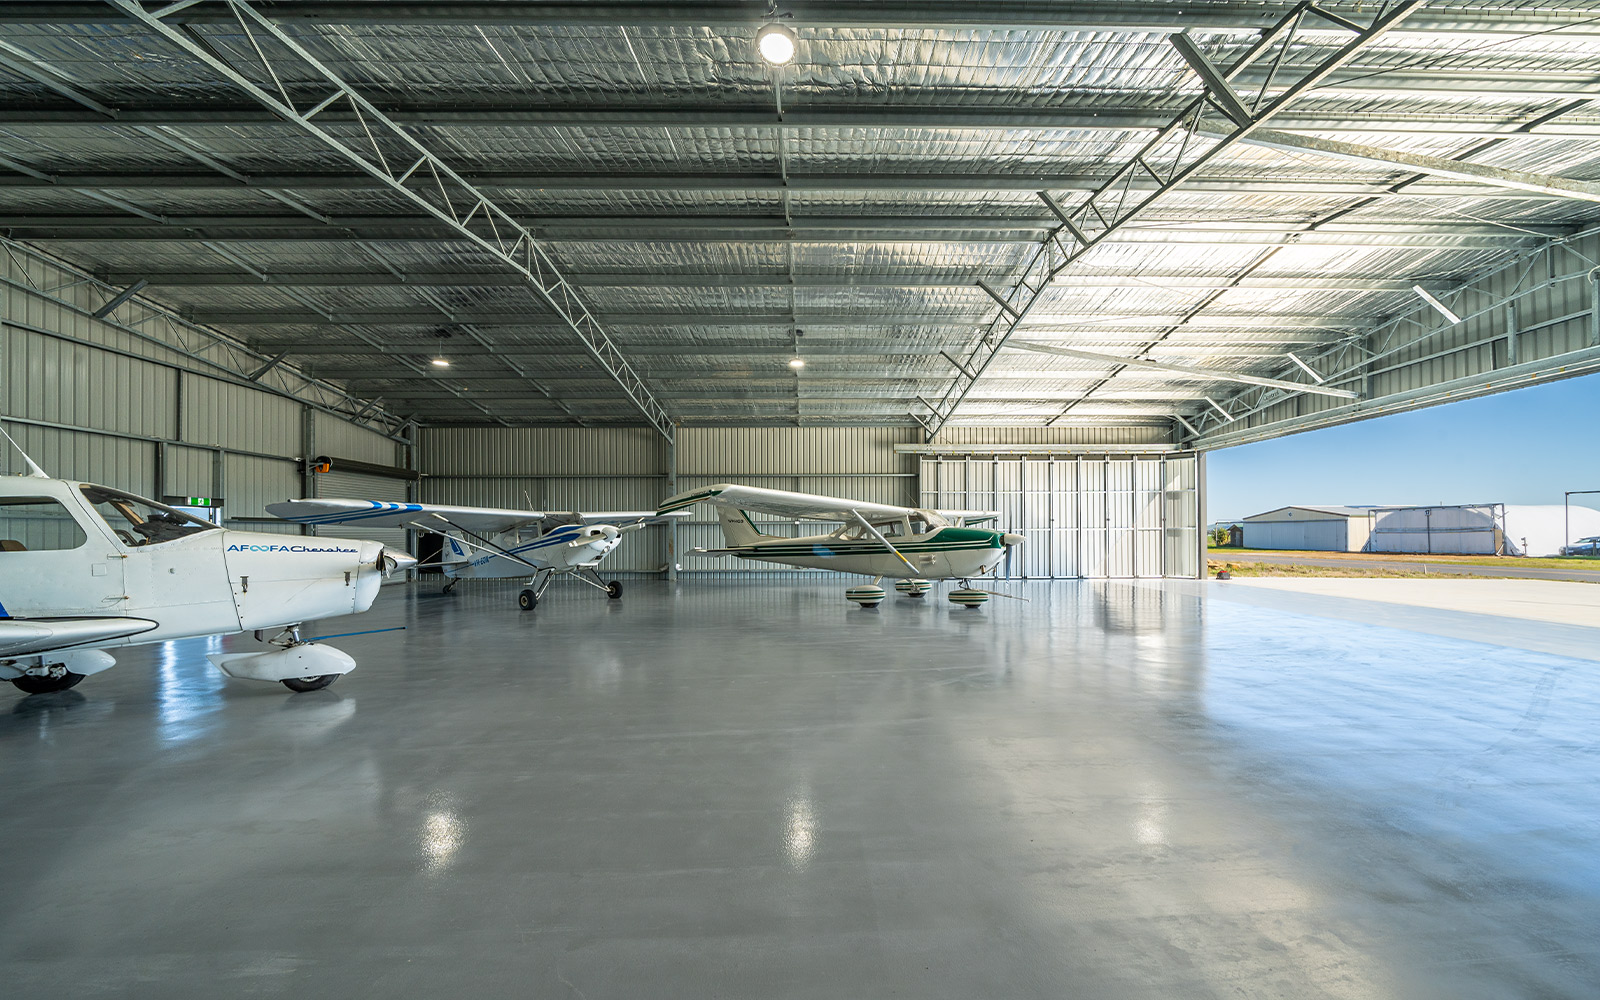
x=805, y=506
x=482, y=520
x=630, y=518
x=25, y=636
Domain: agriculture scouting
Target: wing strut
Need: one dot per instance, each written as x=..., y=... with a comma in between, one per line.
x=486, y=543
x=876, y=534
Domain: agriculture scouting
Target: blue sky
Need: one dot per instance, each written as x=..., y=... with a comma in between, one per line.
x=1525, y=446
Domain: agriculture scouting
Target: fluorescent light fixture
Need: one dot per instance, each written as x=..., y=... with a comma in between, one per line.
x=797, y=363
x=440, y=363
x=1444, y=310
x=776, y=44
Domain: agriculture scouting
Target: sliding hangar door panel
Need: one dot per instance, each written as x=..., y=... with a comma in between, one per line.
x=1082, y=517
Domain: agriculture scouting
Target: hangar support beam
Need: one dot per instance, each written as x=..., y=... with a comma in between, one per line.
x=399, y=162
x=1173, y=156
x=1545, y=302
x=1228, y=16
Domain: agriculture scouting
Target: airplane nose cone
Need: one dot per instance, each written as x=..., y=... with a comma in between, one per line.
x=390, y=561
x=1011, y=539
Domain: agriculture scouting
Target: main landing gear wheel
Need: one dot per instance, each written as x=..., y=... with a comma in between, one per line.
x=47, y=685
x=613, y=590
x=527, y=600
x=867, y=597
x=448, y=587
x=302, y=684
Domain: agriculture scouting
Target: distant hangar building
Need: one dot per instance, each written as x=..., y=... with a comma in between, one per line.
x=1440, y=529
x=1330, y=528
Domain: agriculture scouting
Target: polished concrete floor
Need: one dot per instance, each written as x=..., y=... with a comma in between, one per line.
x=1115, y=790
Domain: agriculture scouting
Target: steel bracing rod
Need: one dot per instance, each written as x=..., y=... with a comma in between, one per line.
x=414, y=169
x=319, y=314
x=1550, y=185
x=1207, y=374
x=239, y=358
x=1106, y=210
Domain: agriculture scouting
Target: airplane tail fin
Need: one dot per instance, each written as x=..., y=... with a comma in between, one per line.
x=737, y=527
x=453, y=554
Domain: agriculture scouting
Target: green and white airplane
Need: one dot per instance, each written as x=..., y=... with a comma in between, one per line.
x=908, y=544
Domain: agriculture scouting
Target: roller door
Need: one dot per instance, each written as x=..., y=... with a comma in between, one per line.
x=344, y=485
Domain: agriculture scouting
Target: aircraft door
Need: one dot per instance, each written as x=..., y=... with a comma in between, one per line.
x=54, y=560
x=172, y=563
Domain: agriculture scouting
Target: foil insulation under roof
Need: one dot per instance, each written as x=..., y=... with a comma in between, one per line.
x=717, y=217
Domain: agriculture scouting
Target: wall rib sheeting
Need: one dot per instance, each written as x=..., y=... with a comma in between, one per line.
x=115, y=398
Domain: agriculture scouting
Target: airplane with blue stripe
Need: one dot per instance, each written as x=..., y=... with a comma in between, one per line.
x=487, y=543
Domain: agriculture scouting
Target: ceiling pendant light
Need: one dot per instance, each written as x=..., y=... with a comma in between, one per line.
x=797, y=363
x=776, y=43
x=440, y=363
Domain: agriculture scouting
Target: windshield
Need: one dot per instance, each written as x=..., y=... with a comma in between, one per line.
x=138, y=521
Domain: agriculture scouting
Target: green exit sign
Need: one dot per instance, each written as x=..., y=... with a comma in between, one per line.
x=195, y=501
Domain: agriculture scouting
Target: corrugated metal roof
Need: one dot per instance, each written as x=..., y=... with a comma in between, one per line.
x=715, y=237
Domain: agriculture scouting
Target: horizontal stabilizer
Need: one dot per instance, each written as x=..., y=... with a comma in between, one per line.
x=26, y=636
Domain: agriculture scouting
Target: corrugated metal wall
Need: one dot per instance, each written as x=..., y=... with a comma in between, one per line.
x=611, y=469
x=857, y=462
x=91, y=401
x=553, y=469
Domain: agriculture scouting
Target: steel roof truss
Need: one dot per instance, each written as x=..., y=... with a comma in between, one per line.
x=523, y=252
x=1182, y=151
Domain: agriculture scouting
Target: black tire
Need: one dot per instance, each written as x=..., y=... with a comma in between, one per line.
x=527, y=600
x=614, y=590
x=872, y=605
x=47, y=685
x=448, y=587
x=302, y=684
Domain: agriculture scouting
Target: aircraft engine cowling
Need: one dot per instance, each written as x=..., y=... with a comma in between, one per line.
x=591, y=543
x=377, y=563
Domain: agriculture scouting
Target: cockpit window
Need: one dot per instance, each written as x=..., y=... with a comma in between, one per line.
x=35, y=524
x=140, y=522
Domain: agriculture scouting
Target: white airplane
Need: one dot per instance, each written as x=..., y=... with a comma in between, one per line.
x=486, y=543
x=86, y=568
x=908, y=544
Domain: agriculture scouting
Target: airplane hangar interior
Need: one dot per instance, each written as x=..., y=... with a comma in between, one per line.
x=750, y=459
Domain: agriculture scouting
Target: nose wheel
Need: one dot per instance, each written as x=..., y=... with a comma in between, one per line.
x=301, y=684
x=47, y=684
